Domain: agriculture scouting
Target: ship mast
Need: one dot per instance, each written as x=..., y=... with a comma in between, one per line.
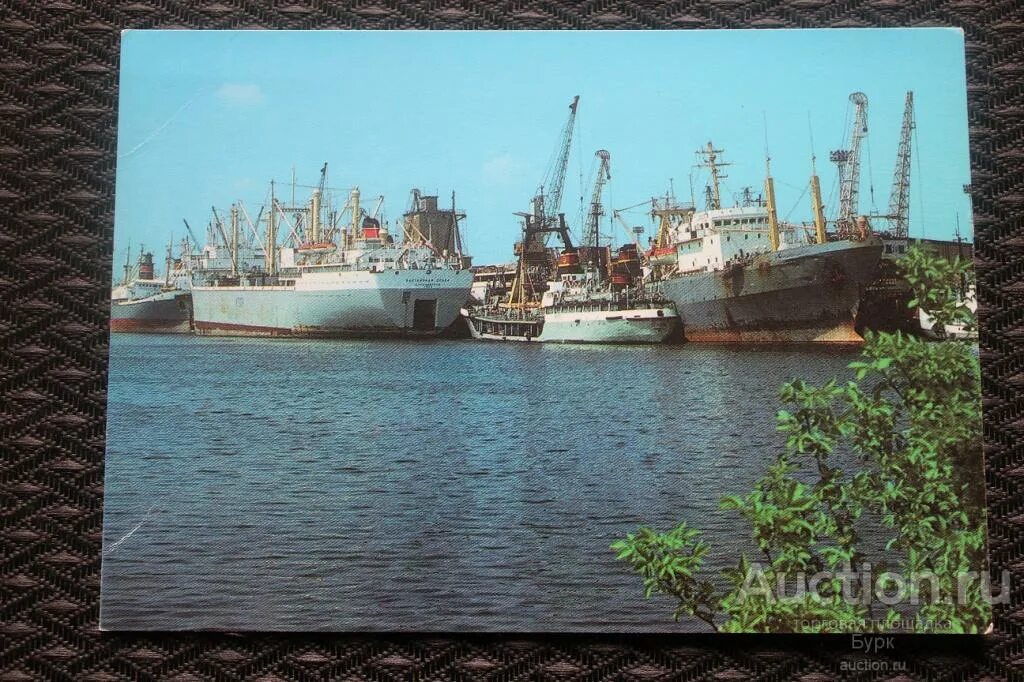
x=817, y=207
x=270, y=250
x=314, y=208
x=355, y=214
x=710, y=161
x=169, y=263
x=127, y=264
x=455, y=232
x=773, y=218
x=234, y=240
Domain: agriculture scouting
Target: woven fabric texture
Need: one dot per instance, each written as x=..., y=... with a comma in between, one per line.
x=58, y=99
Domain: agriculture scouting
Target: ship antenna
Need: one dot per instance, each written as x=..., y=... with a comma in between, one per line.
x=810, y=133
x=767, y=155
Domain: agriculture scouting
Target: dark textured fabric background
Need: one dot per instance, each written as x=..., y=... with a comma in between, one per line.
x=58, y=98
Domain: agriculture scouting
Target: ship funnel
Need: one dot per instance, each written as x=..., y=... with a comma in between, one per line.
x=146, y=269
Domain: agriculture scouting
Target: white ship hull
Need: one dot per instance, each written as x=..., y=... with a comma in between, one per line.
x=642, y=325
x=165, y=312
x=629, y=326
x=336, y=303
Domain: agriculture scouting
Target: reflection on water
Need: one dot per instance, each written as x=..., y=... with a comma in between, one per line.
x=442, y=485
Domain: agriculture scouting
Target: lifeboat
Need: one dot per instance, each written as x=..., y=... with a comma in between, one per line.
x=569, y=263
x=663, y=255
x=315, y=247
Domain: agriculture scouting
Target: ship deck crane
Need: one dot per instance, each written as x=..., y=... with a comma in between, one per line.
x=899, y=198
x=848, y=161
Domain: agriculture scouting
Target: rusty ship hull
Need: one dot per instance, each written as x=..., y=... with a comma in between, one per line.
x=801, y=294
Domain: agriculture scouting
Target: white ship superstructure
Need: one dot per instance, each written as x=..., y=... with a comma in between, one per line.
x=143, y=302
x=737, y=274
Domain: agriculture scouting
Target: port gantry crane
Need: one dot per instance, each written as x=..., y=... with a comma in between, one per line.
x=848, y=161
x=899, y=198
x=543, y=220
x=592, y=235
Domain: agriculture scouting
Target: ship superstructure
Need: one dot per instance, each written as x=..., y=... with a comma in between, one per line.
x=736, y=274
x=323, y=278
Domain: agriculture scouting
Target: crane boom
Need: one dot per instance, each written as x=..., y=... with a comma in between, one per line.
x=848, y=161
x=899, y=199
x=557, y=180
x=592, y=237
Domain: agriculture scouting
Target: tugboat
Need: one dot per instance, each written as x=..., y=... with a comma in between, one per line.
x=585, y=307
x=590, y=299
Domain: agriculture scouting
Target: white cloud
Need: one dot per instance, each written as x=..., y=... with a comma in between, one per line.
x=502, y=169
x=241, y=94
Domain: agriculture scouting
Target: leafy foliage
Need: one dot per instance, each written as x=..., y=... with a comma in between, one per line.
x=938, y=285
x=911, y=420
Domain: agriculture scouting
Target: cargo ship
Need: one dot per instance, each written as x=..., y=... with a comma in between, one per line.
x=334, y=281
x=737, y=275
x=143, y=303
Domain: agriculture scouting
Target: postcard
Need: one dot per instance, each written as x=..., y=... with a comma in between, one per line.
x=617, y=331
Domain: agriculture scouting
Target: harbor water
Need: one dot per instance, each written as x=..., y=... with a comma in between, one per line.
x=444, y=485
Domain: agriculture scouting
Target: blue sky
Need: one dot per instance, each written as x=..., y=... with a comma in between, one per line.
x=210, y=117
